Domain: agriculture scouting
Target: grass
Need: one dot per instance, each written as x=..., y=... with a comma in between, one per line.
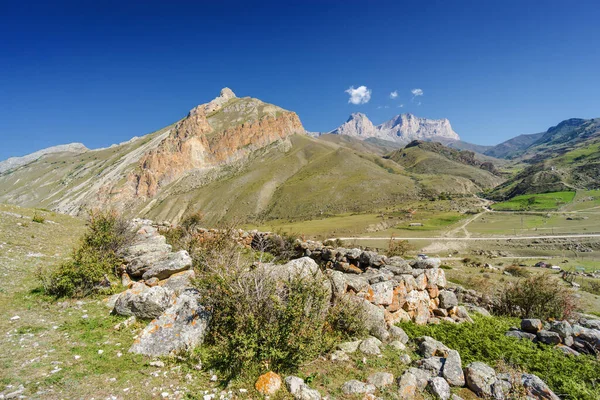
x=485, y=341
x=535, y=202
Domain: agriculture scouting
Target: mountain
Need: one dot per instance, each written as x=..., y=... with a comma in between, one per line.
x=400, y=129
x=235, y=158
x=565, y=157
x=441, y=165
x=460, y=145
x=513, y=147
x=16, y=162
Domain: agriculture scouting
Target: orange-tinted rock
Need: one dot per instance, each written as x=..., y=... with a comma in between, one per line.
x=268, y=384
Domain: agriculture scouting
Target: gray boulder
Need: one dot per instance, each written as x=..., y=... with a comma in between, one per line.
x=531, y=325
x=357, y=387
x=426, y=263
x=397, y=333
x=383, y=293
x=374, y=319
x=537, y=388
x=154, y=244
x=179, y=282
x=407, y=386
x=547, y=337
x=439, y=388
x=429, y=347
x=169, y=265
x=563, y=328
x=452, y=370
x=349, y=347
x=447, y=299
x=140, y=264
x=370, y=346
x=481, y=379
x=433, y=365
x=381, y=379
x=144, y=302
x=300, y=390
x=422, y=377
x=520, y=335
x=180, y=328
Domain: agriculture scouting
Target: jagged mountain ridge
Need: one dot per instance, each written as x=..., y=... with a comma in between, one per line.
x=403, y=128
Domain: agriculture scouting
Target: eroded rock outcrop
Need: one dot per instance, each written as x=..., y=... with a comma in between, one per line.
x=221, y=131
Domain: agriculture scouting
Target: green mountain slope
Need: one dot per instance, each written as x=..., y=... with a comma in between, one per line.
x=445, y=168
x=566, y=157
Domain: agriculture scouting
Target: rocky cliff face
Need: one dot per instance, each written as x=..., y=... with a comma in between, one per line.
x=216, y=133
x=402, y=128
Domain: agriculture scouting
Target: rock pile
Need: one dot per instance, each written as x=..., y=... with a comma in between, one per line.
x=159, y=288
x=575, y=339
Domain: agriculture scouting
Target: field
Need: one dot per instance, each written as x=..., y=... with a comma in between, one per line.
x=535, y=202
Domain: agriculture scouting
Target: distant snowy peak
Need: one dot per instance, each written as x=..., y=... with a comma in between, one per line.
x=402, y=128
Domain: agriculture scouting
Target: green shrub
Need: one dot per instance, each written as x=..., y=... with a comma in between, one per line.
x=515, y=270
x=93, y=261
x=259, y=322
x=485, y=340
x=398, y=247
x=539, y=296
x=38, y=218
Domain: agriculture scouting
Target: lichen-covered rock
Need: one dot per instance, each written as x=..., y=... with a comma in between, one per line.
x=357, y=387
x=180, y=328
x=563, y=328
x=268, y=384
x=537, y=388
x=169, y=265
x=144, y=302
x=407, y=386
x=398, y=333
x=383, y=293
x=179, y=282
x=439, y=388
x=433, y=365
x=447, y=299
x=300, y=390
x=381, y=379
x=370, y=346
x=426, y=263
x=429, y=347
x=452, y=370
x=349, y=347
x=422, y=377
x=481, y=379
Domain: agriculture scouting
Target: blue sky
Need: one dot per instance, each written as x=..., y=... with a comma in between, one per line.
x=100, y=72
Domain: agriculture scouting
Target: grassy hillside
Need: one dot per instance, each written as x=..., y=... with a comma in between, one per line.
x=443, y=168
x=565, y=158
x=537, y=202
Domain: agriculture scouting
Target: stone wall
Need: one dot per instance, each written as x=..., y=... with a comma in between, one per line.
x=406, y=290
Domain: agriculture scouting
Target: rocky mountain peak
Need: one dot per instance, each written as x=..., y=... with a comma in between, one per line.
x=402, y=128
x=216, y=104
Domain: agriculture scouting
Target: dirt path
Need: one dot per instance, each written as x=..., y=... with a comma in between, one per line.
x=442, y=238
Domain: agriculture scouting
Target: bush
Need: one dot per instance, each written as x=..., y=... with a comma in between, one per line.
x=282, y=246
x=93, y=260
x=398, y=248
x=538, y=296
x=485, y=340
x=515, y=270
x=259, y=322
x=38, y=218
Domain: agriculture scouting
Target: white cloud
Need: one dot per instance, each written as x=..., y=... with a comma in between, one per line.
x=417, y=92
x=401, y=106
x=360, y=95
x=394, y=94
